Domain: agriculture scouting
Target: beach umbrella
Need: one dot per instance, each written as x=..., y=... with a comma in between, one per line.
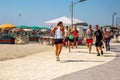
x=65, y=20
x=4, y=26
x=79, y=22
x=46, y=28
x=23, y=27
x=35, y=27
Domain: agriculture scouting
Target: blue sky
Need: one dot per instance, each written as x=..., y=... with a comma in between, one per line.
x=36, y=12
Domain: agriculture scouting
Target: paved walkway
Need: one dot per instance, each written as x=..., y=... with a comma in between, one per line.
x=109, y=71
x=74, y=66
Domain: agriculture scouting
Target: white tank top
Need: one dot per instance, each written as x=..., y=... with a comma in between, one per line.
x=66, y=33
x=58, y=34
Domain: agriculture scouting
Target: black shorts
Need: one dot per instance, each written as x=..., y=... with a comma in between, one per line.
x=67, y=38
x=76, y=39
x=71, y=40
x=98, y=43
x=58, y=41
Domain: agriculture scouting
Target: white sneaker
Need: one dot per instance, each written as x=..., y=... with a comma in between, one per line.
x=57, y=58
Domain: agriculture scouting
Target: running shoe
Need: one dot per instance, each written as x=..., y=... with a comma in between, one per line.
x=57, y=59
x=98, y=54
x=102, y=52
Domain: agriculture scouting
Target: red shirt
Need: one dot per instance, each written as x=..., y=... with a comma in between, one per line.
x=75, y=33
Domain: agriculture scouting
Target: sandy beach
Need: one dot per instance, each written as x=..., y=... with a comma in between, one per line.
x=16, y=51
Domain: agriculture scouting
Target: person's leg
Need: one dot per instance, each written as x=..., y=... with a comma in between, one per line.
x=105, y=41
x=66, y=42
x=103, y=44
x=69, y=46
x=97, y=49
x=56, y=51
x=100, y=47
x=76, y=42
x=108, y=44
x=72, y=43
x=59, y=51
x=87, y=45
x=90, y=47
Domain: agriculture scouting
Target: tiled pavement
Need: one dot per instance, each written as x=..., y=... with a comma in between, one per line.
x=42, y=66
x=108, y=71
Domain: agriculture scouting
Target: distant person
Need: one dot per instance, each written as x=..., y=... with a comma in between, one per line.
x=117, y=35
x=66, y=36
x=106, y=39
x=75, y=33
x=101, y=30
x=98, y=43
x=70, y=39
x=89, y=38
x=58, y=38
x=111, y=34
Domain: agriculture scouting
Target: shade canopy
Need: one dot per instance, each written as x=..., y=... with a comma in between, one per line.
x=35, y=27
x=65, y=20
x=39, y=27
x=23, y=27
x=46, y=28
x=7, y=26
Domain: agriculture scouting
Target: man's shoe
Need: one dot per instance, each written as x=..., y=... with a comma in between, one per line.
x=102, y=52
x=98, y=54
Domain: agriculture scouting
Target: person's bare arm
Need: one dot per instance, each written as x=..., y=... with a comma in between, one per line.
x=102, y=36
x=93, y=36
x=63, y=32
x=53, y=30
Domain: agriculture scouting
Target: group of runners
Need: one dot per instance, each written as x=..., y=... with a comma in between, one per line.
x=100, y=36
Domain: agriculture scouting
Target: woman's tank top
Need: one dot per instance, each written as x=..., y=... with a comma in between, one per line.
x=106, y=35
x=66, y=33
x=58, y=34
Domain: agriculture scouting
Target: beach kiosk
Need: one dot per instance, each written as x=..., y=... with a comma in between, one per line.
x=6, y=38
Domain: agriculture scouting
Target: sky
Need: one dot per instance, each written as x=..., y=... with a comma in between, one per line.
x=36, y=12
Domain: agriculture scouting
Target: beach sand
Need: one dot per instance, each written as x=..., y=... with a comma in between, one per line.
x=8, y=51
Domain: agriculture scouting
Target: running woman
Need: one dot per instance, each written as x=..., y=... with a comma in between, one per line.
x=89, y=38
x=106, y=39
x=75, y=33
x=98, y=43
x=58, y=38
x=70, y=39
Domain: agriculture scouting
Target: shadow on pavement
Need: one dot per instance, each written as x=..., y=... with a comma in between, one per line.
x=79, y=52
x=116, y=51
x=66, y=61
x=111, y=56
